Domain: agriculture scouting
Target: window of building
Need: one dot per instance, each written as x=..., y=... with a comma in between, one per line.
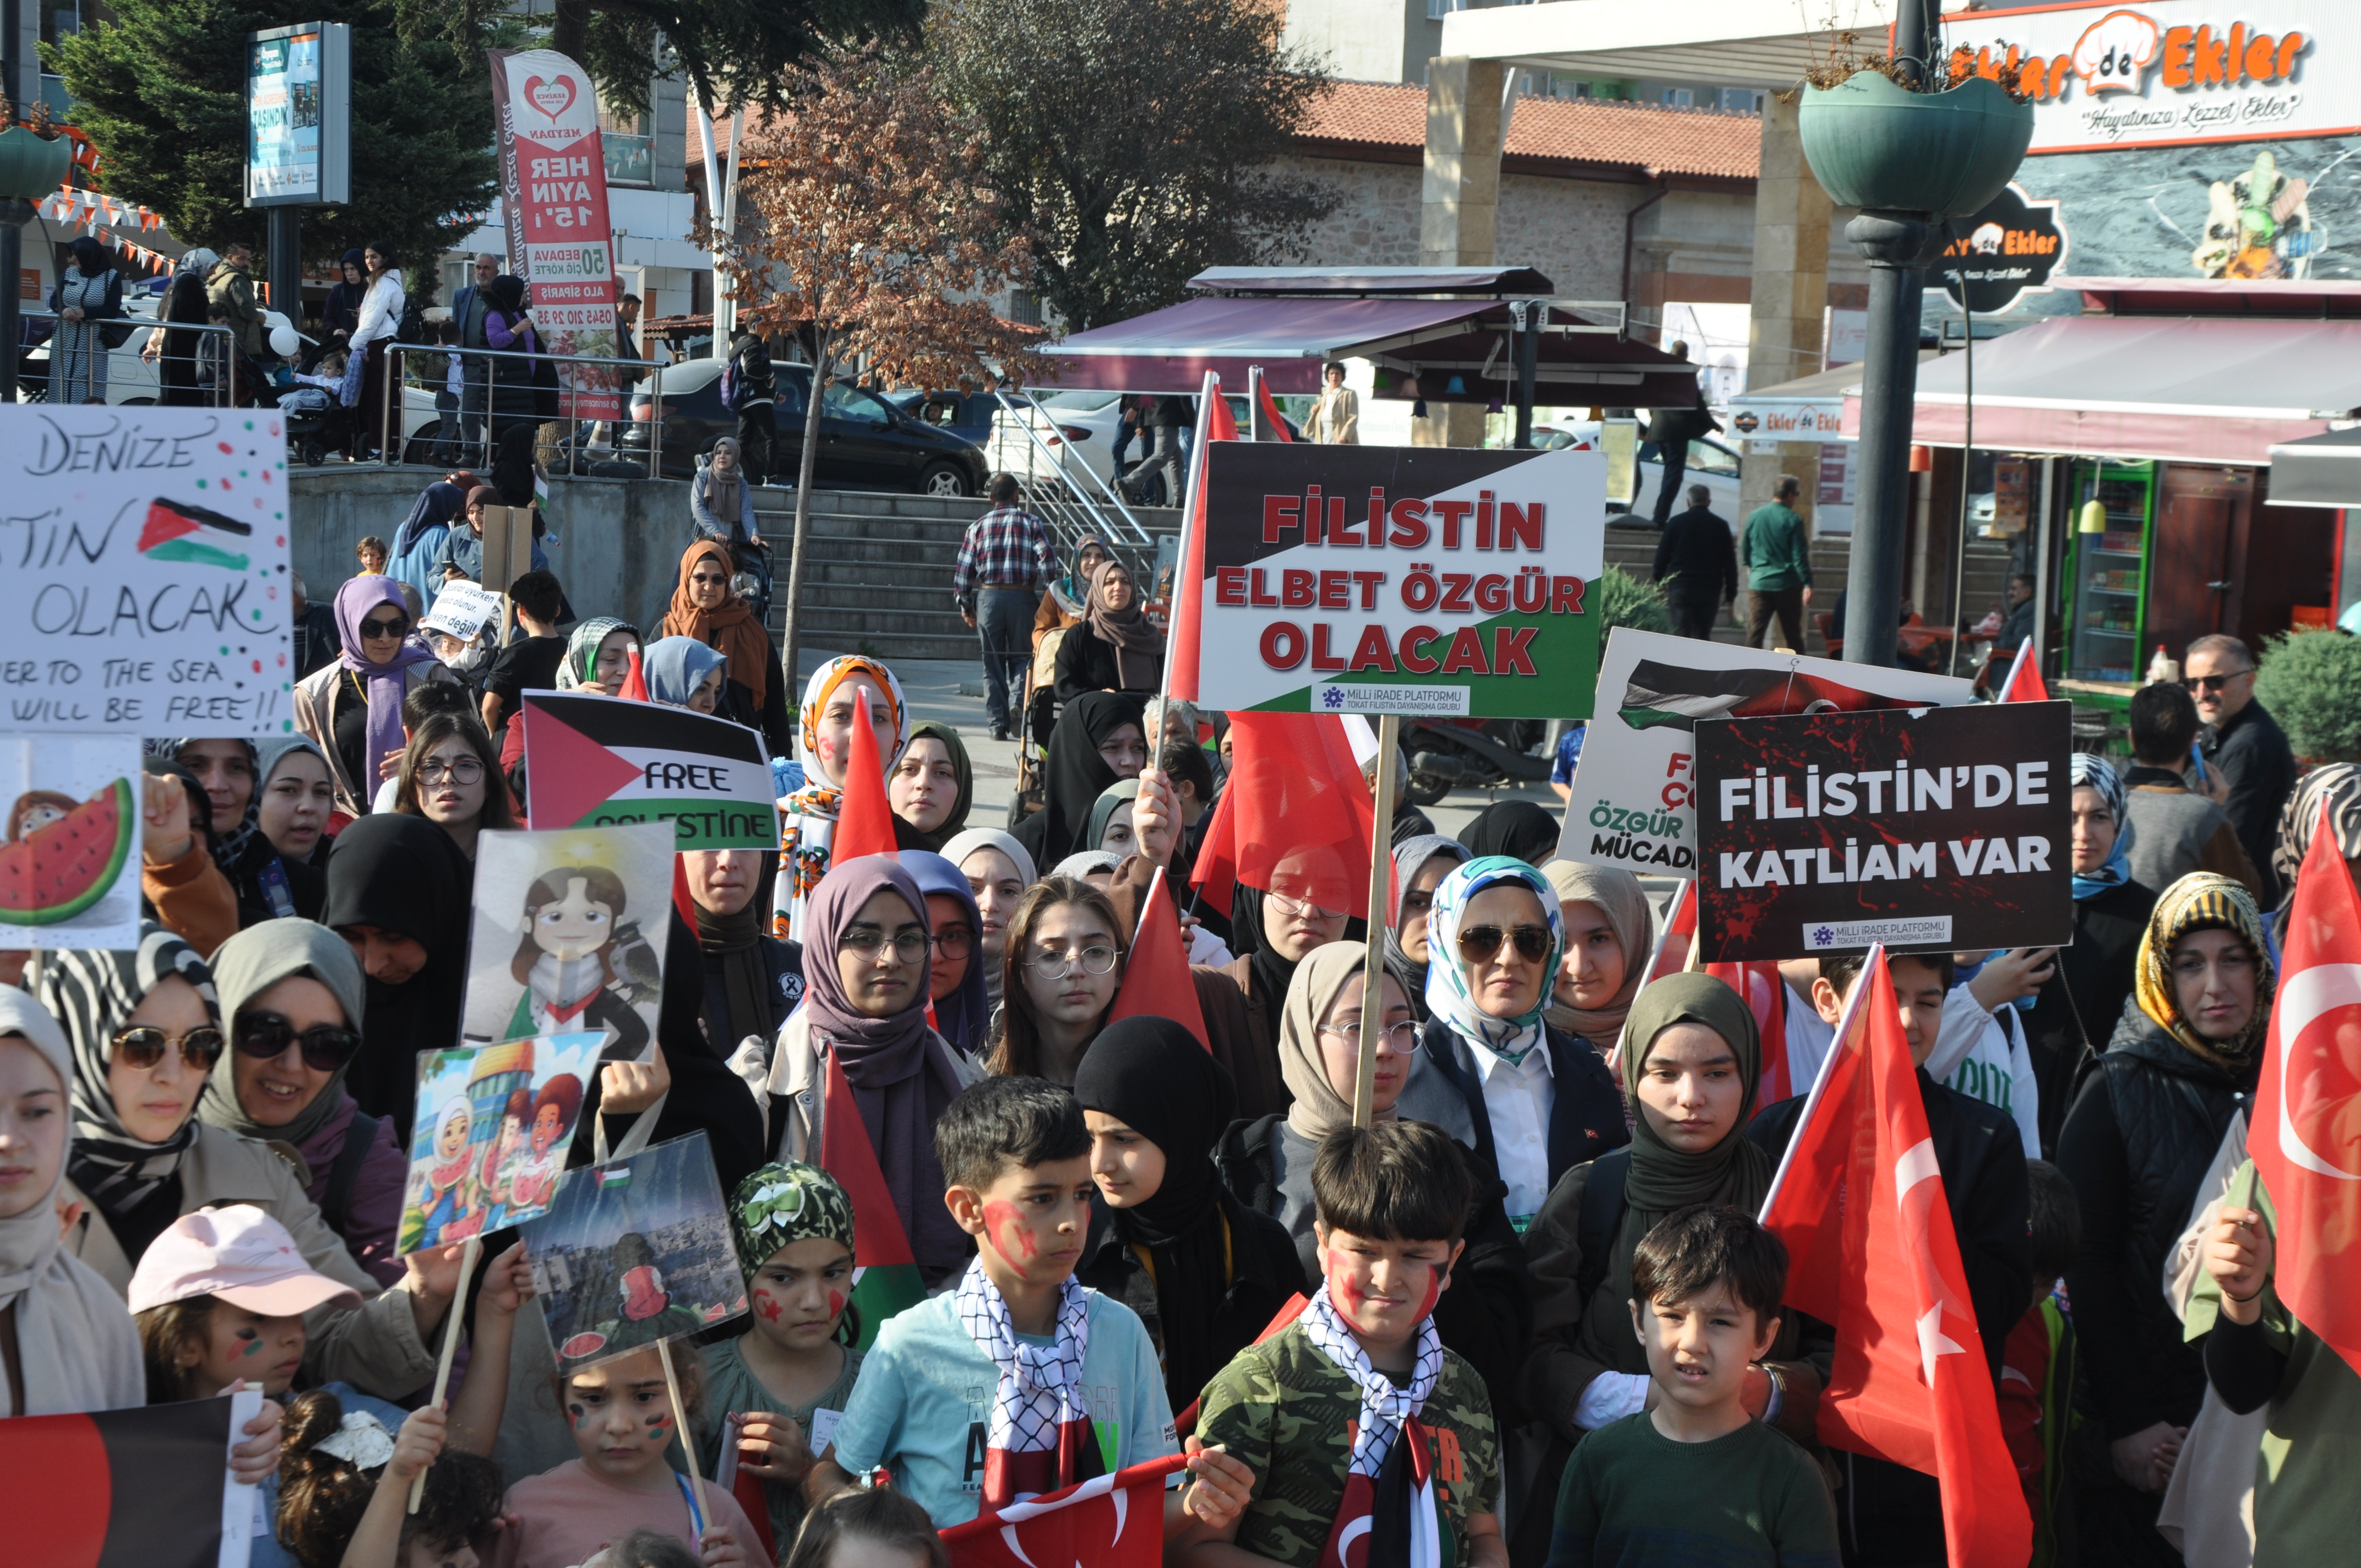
x=630, y=149
x=1438, y=9
x=1739, y=99
x=1679, y=98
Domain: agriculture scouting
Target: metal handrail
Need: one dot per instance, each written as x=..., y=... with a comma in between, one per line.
x=223, y=390
x=1138, y=538
x=652, y=370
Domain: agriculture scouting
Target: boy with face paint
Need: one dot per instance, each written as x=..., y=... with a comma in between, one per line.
x=1365, y=1431
x=1019, y=1380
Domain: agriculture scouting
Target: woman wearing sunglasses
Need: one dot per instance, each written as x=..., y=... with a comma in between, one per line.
x=292, y=992
x=146, y=1033
x=352, y=708
x=450, y=775
x=1531, y=1101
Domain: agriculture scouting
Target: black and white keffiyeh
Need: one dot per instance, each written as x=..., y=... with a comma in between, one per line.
x=1386, y=1412
x=1040, y=1385
x=1384, y=1407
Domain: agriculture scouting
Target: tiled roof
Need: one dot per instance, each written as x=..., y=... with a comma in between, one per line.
x=1559, y=130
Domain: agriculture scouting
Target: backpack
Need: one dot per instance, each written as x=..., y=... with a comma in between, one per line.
x=414, y=322
x=730, y=386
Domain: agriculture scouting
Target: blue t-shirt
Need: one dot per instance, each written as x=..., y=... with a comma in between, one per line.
x=922, y=1407
x=265, y=1552
x=1569, y=752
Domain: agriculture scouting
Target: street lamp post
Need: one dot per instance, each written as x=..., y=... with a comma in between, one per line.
x=15, y=212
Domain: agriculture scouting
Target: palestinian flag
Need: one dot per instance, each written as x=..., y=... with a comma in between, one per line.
x=594, y=760
x=1110, y=1522
x=884, y=1270
x=1660, y=695
x=181, y=530
x=138, y=1489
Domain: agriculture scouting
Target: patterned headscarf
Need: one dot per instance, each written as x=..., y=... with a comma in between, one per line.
x=230, y=844
x=784, y=1202
x=822, y=685
x=1447, y=996
x=90, y=992
x=2338, y=785
x=2203, y=901
x=579, y=669
x=2089, y=770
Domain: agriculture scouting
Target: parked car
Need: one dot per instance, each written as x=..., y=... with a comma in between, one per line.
x=1077, y=430
x=967, y=415
x=865, y=441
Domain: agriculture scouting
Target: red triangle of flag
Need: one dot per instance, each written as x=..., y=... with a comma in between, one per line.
x=1188, y=584
x=864, y=822
x=878, y=1239
x=1216, y=874
x=1270, y=411
x=569, y=775
x=635, y=679
x=1301, y=817
x=2025, y=682
x=1157, y=982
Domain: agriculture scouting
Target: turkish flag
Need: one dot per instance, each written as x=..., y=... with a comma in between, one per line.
x=1300, y=819
x=1108, y=1521
x=1760, y=985
x=1189, y=585
x=1270, y=414
x=1859, y=1203
x=2025, y=682
x=2305, y=1138
x=1156, y=979
x=864, y=822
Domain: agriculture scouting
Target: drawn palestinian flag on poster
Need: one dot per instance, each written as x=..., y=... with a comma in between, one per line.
x=1660, y=695
x=594, y=760
x=183, y=530
x=138, y=1489
x=884, y=1269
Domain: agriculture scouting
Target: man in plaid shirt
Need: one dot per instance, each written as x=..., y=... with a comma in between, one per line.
x=1007, y=551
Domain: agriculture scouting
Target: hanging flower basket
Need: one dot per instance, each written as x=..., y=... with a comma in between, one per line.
x=1873, y=143
x=29, y=167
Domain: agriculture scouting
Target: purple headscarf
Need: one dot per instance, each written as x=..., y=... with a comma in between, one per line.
x=962, y=1017
x=900, y=1081
x=388, y=683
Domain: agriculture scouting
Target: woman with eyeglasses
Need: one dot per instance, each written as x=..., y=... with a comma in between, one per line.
x=1274, y=930
x=862, y=1033
x=1610, y=929
x=1098, y=742
x=955, y=983
x=291, y=990
x=706, y=608
x=351, y=709
x=1064, y=959
x=1419, y=865
x=1531, y=1101
x=450, y=775
x=145, y=1028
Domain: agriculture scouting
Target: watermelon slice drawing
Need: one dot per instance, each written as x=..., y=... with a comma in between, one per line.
x=57, y=871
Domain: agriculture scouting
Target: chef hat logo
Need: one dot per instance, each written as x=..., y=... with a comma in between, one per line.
x=2114, y=52
x=1988, y=239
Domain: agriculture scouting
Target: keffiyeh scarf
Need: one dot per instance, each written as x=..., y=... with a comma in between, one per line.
x=1386, y=1412
x=1447, y=996
x=1040, y=1437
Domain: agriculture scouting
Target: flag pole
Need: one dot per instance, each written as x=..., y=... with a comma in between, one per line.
x=1820, y=1079
x=687, y=1439
x=1373, y=970
x=1206, y=393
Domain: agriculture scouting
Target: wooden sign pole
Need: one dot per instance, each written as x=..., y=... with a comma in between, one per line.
x=1373, y=972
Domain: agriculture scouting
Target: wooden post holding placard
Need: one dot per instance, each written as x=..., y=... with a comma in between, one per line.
x=1373, y=969
x=469, y=1251
x=508, y=547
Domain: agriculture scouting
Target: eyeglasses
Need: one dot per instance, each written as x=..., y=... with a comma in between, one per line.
x=465, y=770
x=708, y=579
x=143, y=1045
x=1478, y=943
x=1400, y=1038
x=378, y=631
x=326, y=1047
x=2213, y=682
x=955, y=942
x=1058, y=966
x=1299, y=908
x=910, y=947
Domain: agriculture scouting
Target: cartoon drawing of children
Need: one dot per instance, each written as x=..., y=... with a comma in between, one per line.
x=36, y=809
x=533, y=1173
x=499, y=1158
x=447, y=1196
x=582, y=964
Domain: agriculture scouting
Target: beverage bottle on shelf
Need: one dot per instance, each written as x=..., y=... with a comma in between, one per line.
x=2161, y=668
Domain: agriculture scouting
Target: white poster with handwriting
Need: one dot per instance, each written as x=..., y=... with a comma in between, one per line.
x=143, y=571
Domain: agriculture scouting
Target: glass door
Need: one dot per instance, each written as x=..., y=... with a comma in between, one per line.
x=2109, y=570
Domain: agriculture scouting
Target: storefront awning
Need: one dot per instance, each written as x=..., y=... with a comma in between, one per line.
x=2193, y=390
x=2318, y=471
x=1809, y=408
x=1458, y=350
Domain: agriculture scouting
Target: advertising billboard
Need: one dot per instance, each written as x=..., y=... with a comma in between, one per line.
x=553, y=181
x=298, y=115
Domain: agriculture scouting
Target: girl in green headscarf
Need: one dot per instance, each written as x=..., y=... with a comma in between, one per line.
x=775, y=1390
x=930, y=786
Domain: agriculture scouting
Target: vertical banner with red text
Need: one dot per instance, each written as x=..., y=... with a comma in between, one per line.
x=554, y=186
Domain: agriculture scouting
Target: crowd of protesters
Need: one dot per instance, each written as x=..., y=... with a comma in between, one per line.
x=1534, y=1320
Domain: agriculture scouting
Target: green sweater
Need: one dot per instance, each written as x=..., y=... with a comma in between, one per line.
x=1777, y=550
x=1750, y=1499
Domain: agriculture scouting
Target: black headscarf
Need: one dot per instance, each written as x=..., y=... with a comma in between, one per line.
x=1076, y=774
x=1273, y=971
x=732, y=949
x=1517, y=829
x=1153, y=1076
x=507, y=294
x=403, y=874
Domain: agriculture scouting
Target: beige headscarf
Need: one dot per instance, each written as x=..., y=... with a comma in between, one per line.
x=1319, y=979
x=1618, y=894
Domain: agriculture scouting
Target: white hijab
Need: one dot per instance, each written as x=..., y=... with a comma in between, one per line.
x=75, y=1340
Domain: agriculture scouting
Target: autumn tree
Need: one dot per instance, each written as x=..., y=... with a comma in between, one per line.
x=868, y=236
x=1133, y=144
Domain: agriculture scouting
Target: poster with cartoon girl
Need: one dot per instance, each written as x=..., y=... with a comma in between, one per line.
x=69, y=843
x=569, y=933
x=494, y=1124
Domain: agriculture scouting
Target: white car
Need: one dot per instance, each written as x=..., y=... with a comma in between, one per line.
x=1077, y=430
x=1711, y=465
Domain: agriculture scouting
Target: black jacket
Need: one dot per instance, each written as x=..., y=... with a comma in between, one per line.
x=2251, y=752
x=1585, y=1116
x=755, y=383
x=2146, y=1124
x=2075, y=1014
x=1682, y=425
x=1171, y=413
x=1086, y=663
x=1698, y=557
x=1487, y=1315
x=1264, y=1275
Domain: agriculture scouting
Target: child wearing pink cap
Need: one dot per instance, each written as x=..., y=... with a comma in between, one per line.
x=220, y=1298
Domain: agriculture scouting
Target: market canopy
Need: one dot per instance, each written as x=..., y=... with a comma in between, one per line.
x=2186, y=389
x=2318, y=471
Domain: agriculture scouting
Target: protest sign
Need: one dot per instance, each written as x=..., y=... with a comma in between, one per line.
x=1397, y=580
x=69, y=865
x=569, y=933
x=507, y=546
x=150, y=1486
x=493, y=1125
x=463, y=611
x=1936, y=828
x=143, y=571
x=634, y=1252
x=594, y=760
x=1632, y=805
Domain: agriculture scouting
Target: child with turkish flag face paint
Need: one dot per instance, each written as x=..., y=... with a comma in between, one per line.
x=777, y=1390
